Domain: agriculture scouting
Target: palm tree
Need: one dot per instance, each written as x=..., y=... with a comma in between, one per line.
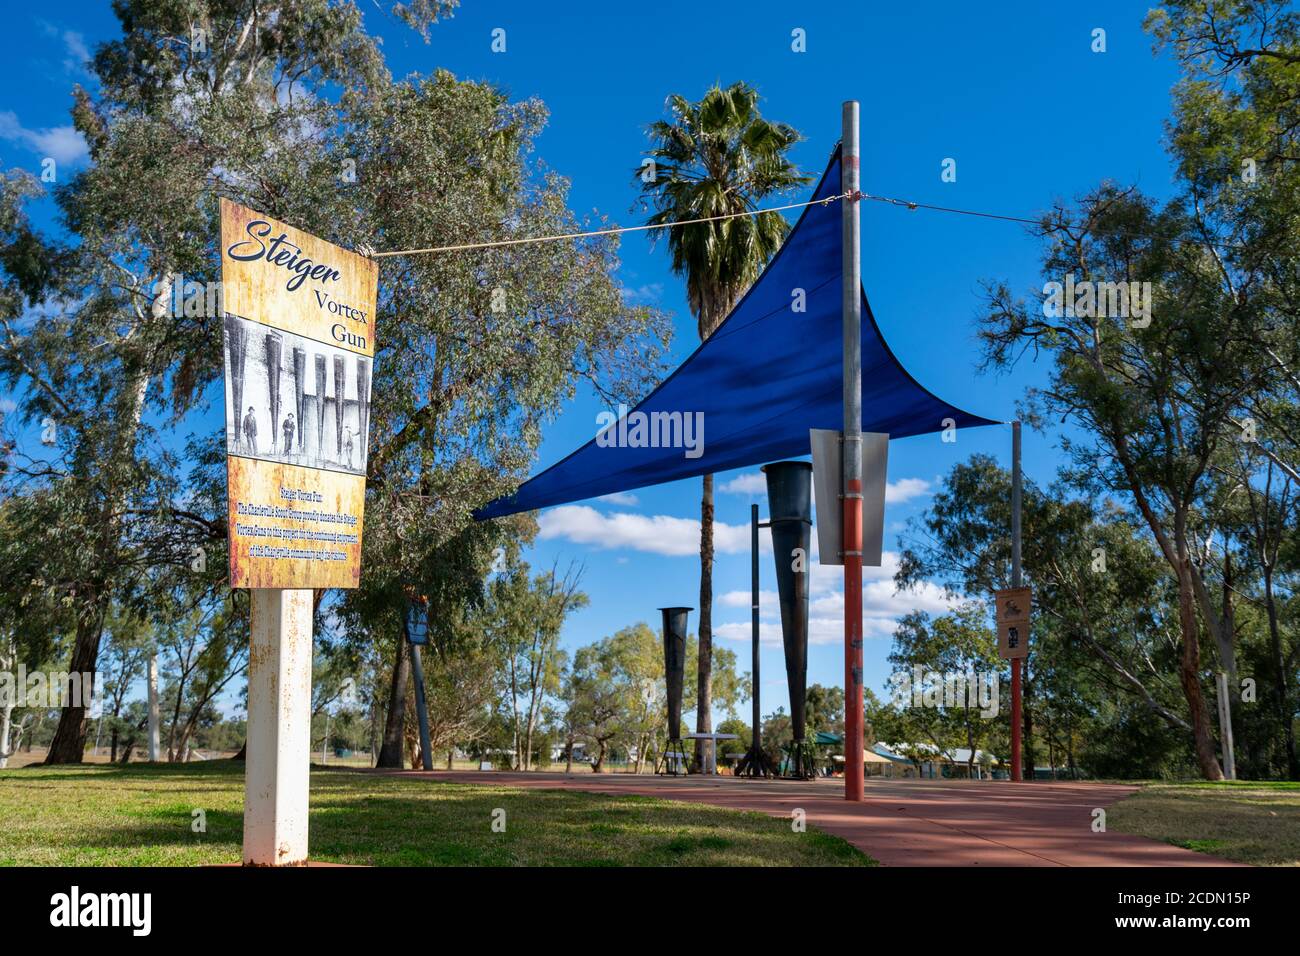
x=717, y=157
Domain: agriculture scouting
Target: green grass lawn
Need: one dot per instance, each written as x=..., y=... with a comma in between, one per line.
x=142, y=815
x=1244, y=820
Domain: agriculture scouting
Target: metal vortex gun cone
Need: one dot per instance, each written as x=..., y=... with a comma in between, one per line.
x=674, y=631
x=789, y=499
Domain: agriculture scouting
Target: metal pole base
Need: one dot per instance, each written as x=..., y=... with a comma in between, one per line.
x=667, y=765
x=755, y=763
x=802, y=764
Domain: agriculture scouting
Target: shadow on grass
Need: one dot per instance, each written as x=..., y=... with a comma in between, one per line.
x=143, y=814
x=170, y=829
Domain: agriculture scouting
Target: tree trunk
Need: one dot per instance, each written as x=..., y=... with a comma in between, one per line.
x=152, y=689
x=374, y=728
x=1189, y=672
x=642, y=744
x=1177, y=555
x=172, y=747
x=514, y=713
x=69, y=743
x=6, y=715
x=1069, y=750
x=528, y=734
x=1281, y=691
x=970, y=745
x=7, y=661
x=704, y=658
x=187, y=733
x=1224, y=630
x=390, y=753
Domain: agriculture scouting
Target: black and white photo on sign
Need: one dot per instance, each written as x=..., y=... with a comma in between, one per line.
x=295, y=400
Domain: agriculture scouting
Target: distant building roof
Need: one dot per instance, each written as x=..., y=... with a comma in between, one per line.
x=929, y=750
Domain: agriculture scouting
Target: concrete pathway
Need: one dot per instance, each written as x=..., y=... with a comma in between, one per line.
x=905, y=822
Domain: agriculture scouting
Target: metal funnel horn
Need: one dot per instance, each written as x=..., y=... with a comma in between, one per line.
x=674, y=631
x=789, y=500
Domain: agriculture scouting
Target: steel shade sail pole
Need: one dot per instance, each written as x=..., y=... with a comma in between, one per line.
x=755, y=762
x=1016, y=772
x=757, y=735
x=421, y=707
x=852, y=451
x=417, y=634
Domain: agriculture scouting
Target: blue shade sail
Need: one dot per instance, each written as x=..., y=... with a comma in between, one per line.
x=764, y=378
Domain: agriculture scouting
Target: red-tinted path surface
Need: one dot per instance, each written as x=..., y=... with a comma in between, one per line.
x=906, y=822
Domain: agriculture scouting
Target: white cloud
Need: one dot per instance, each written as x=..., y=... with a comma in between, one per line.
x=896, y=492
x=769, y=632
x=63, y=144
x=655, y=534
x=749, y=483
x=905, y=489
x=620, y=498
x=743, y=598
x=647, y=294
x=77, y=53
x=882, y=605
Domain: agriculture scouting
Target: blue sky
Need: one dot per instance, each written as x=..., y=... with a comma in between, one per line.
x=1012, y=92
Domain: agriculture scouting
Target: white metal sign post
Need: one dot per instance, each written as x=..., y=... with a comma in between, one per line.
x=277, y=775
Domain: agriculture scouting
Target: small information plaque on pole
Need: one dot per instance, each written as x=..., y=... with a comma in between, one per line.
x=1013, y=607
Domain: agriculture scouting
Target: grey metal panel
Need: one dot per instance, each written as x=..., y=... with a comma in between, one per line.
x=875, y=466
x=827, y=474
x=826, y=493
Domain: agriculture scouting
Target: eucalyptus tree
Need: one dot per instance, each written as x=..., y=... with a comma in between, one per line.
x=1235, y=135
x=958, y=643
x=1256, y=553
x=204, y=646
x=523, y=616
x=192, y=102
x=639, y=652
x=1162, y=394
x=1157, y=392
x=125, y=657
x=717, y=157
x=286, y=106
x=594, y=698
x=478, y=347
x=1106, y=629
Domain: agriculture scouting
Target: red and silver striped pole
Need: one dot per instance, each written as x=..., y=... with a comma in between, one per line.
x=852, y=454
x=1017, y=580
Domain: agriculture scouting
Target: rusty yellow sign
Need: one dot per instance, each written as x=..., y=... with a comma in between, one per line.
x=1013, y=606
x=299, y=339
